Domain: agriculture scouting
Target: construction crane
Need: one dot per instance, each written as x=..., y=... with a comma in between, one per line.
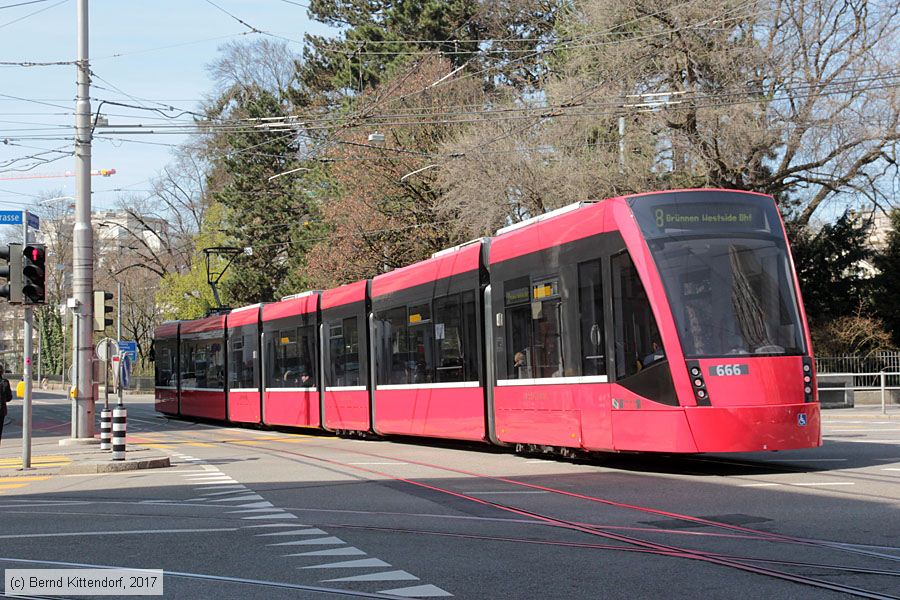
x=94, y=173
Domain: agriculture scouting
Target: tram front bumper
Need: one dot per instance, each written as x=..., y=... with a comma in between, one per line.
x=755, y=428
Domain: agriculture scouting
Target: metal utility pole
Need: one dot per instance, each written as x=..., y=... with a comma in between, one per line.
x=83, y=255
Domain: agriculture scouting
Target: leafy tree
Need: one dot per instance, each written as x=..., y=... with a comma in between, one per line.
x=379, y=210
x=887, y=284
x=186, y=295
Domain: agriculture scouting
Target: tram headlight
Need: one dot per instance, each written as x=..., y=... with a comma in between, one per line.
x=807, y=378
x=698, y=382
x=808, y=390
x=695, y=372
x=701, y=393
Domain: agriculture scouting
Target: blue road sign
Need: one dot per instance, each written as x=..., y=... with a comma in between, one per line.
x=129, y=349
x=10, y=217
x=34, y=221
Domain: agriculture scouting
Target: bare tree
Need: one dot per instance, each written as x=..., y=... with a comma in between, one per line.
x=797, y=98
x=164, y=224
x=263, y=63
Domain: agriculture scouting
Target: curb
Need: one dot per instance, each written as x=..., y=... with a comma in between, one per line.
x=110, y=466
x=845, y=416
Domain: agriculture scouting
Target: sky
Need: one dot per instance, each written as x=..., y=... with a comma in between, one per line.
x=143, y=53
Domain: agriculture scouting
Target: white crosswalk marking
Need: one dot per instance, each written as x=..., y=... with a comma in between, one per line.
x=349, y=564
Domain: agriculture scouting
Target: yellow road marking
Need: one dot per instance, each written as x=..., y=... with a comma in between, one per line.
x=35, y=459
x=19, y=465
x=23, y=478
x=200, y=444
x=9, y=486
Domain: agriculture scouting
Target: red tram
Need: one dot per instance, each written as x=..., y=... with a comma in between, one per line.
x=660, y=322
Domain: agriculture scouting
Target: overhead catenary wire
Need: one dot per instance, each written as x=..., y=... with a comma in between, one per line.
x=2, y=25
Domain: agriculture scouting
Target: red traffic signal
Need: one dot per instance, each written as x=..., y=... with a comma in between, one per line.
x=33, y=273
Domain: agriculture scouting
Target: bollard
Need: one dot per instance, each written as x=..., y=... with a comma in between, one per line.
x=118, y=433
x=105, y=429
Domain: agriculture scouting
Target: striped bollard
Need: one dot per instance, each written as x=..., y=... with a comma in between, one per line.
x=118, y=433
x=105, y=429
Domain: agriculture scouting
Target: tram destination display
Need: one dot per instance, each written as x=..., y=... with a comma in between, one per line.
x=707, y=216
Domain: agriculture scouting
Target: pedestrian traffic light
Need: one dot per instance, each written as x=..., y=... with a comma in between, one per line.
x=12, y=272
x=102, y=306
x=33, y=273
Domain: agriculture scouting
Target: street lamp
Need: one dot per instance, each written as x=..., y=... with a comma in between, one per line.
x=297, y=170
x=57, y=198
x=425, y=168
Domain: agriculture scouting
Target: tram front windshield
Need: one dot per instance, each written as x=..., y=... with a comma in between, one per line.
x=724, y=263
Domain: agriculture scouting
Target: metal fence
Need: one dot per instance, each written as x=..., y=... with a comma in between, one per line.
x=865, y=370
x=852, y=380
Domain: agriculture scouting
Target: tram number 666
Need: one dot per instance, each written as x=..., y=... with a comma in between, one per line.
x=727, y=370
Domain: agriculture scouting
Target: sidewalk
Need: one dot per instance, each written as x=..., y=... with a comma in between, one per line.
x=865, y=412
x=49, y=458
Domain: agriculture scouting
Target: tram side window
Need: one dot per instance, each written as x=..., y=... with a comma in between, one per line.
x=533, y=317
x=470, y=336
x=638, y=343
x=242, y=366
x=394, y=360
x=343, y=351
x=418, y=343
x=203, y=364
x=165, y=365
x=455, y=338
x=590, y=306
x=293, y=358
x=421, y=343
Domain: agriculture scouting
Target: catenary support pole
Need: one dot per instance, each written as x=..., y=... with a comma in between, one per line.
x=83, y=251
x=76, y=320
x=26, y=399
x=65, y=322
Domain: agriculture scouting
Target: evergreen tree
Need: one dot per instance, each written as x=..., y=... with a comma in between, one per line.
x=887, y=284
x=828, y=265
x=380, y=35
x=261, y=212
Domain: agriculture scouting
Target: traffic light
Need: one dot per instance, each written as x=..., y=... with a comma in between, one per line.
x=101, y=309
x=12, y=272
x=33, y=274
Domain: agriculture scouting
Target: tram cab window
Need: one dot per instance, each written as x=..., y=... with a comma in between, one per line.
x=243, y=366
x=533, y=317
x=637, y=339
x=343, y=351
x=590, y=306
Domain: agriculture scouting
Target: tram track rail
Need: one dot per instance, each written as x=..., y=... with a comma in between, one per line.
x=741, y=563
